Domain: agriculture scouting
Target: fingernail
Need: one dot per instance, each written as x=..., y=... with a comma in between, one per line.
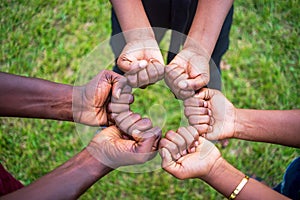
x=163, y=154
x=209, y=112
x=182, y=84
x=193, y=149
x=178, y=156
x=196, y=143
x=205, y=104
x=118, y=94
x=184, y=152
x=143, y=63
x=135, y=132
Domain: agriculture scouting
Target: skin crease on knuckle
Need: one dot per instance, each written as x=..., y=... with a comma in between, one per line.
x=143, y=124
x=199, y=119
x=178, y=141
x=152, y=73
x=187, y=136
x=129, y=121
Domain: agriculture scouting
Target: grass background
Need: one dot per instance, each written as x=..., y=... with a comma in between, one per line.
x=49, y=39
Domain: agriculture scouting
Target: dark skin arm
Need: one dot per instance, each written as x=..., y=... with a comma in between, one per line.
x=34, y=98
x=107, y=150
x=38, y=98
x=68, y=181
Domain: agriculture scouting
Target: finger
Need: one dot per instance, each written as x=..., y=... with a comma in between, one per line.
x=193, y=131
x=194, y=102
x=142, y=125
x=171, y=146
x=123, y=99
x=175, y=82
x=125, y=62
x=195, y=83
x=136, y=66
x=188, y=111
x=166, y=159
x=178, y=141
x=143, y=78
x=184, y=94
x=202, y=128
x=160, y=69
x=175, y=73
x=129, y=121
x=118, y=85
x=199, y=119
x=186, y=135
x=126, y=90
x=121, y=116
x=148, y=139
x=205, y=94
x=132, y=80
x=152, y=73
x=117, y=107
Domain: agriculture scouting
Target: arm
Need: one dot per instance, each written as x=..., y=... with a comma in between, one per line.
x=37, y=98
x=194, y=58
x=68, y=181
x=203, y=160
x=106, y=151
x=141, y=59
x=226, y=121
x=272, y=126
x=132, y=18
x=207, y=24
x=253, y=189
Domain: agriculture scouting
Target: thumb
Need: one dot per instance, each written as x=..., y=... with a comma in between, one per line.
x=205, y=94
x=194, y=84
x=167, y=160
x=136, y=66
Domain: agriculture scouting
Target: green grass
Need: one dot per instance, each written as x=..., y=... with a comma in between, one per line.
x=49, y=39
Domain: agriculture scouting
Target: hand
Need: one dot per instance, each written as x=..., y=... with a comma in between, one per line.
x=142, y=62
x=219, y=114
x=114, y=149
x=196, y=161
x=90, y=101
x=187, y=72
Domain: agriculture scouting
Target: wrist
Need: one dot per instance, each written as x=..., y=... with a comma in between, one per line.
x=198, y=45
x=92, y=165
x=224, y=177
x=215, y=170
x=196, y=49
x=139, y=34
x=240, y=123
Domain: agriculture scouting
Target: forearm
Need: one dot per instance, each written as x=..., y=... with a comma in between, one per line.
x=272, y=126
x=225, y=178
x=34, y=98
x=207, y=24
x=133, y=19
x=68, y=181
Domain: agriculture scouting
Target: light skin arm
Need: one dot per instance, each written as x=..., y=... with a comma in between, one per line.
x=194, y=58
x=272, y=126
x=207, y=24
x=38, y=98
x=141, y=59
x=205, y=162
x=132, y=18
x=226, y=121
